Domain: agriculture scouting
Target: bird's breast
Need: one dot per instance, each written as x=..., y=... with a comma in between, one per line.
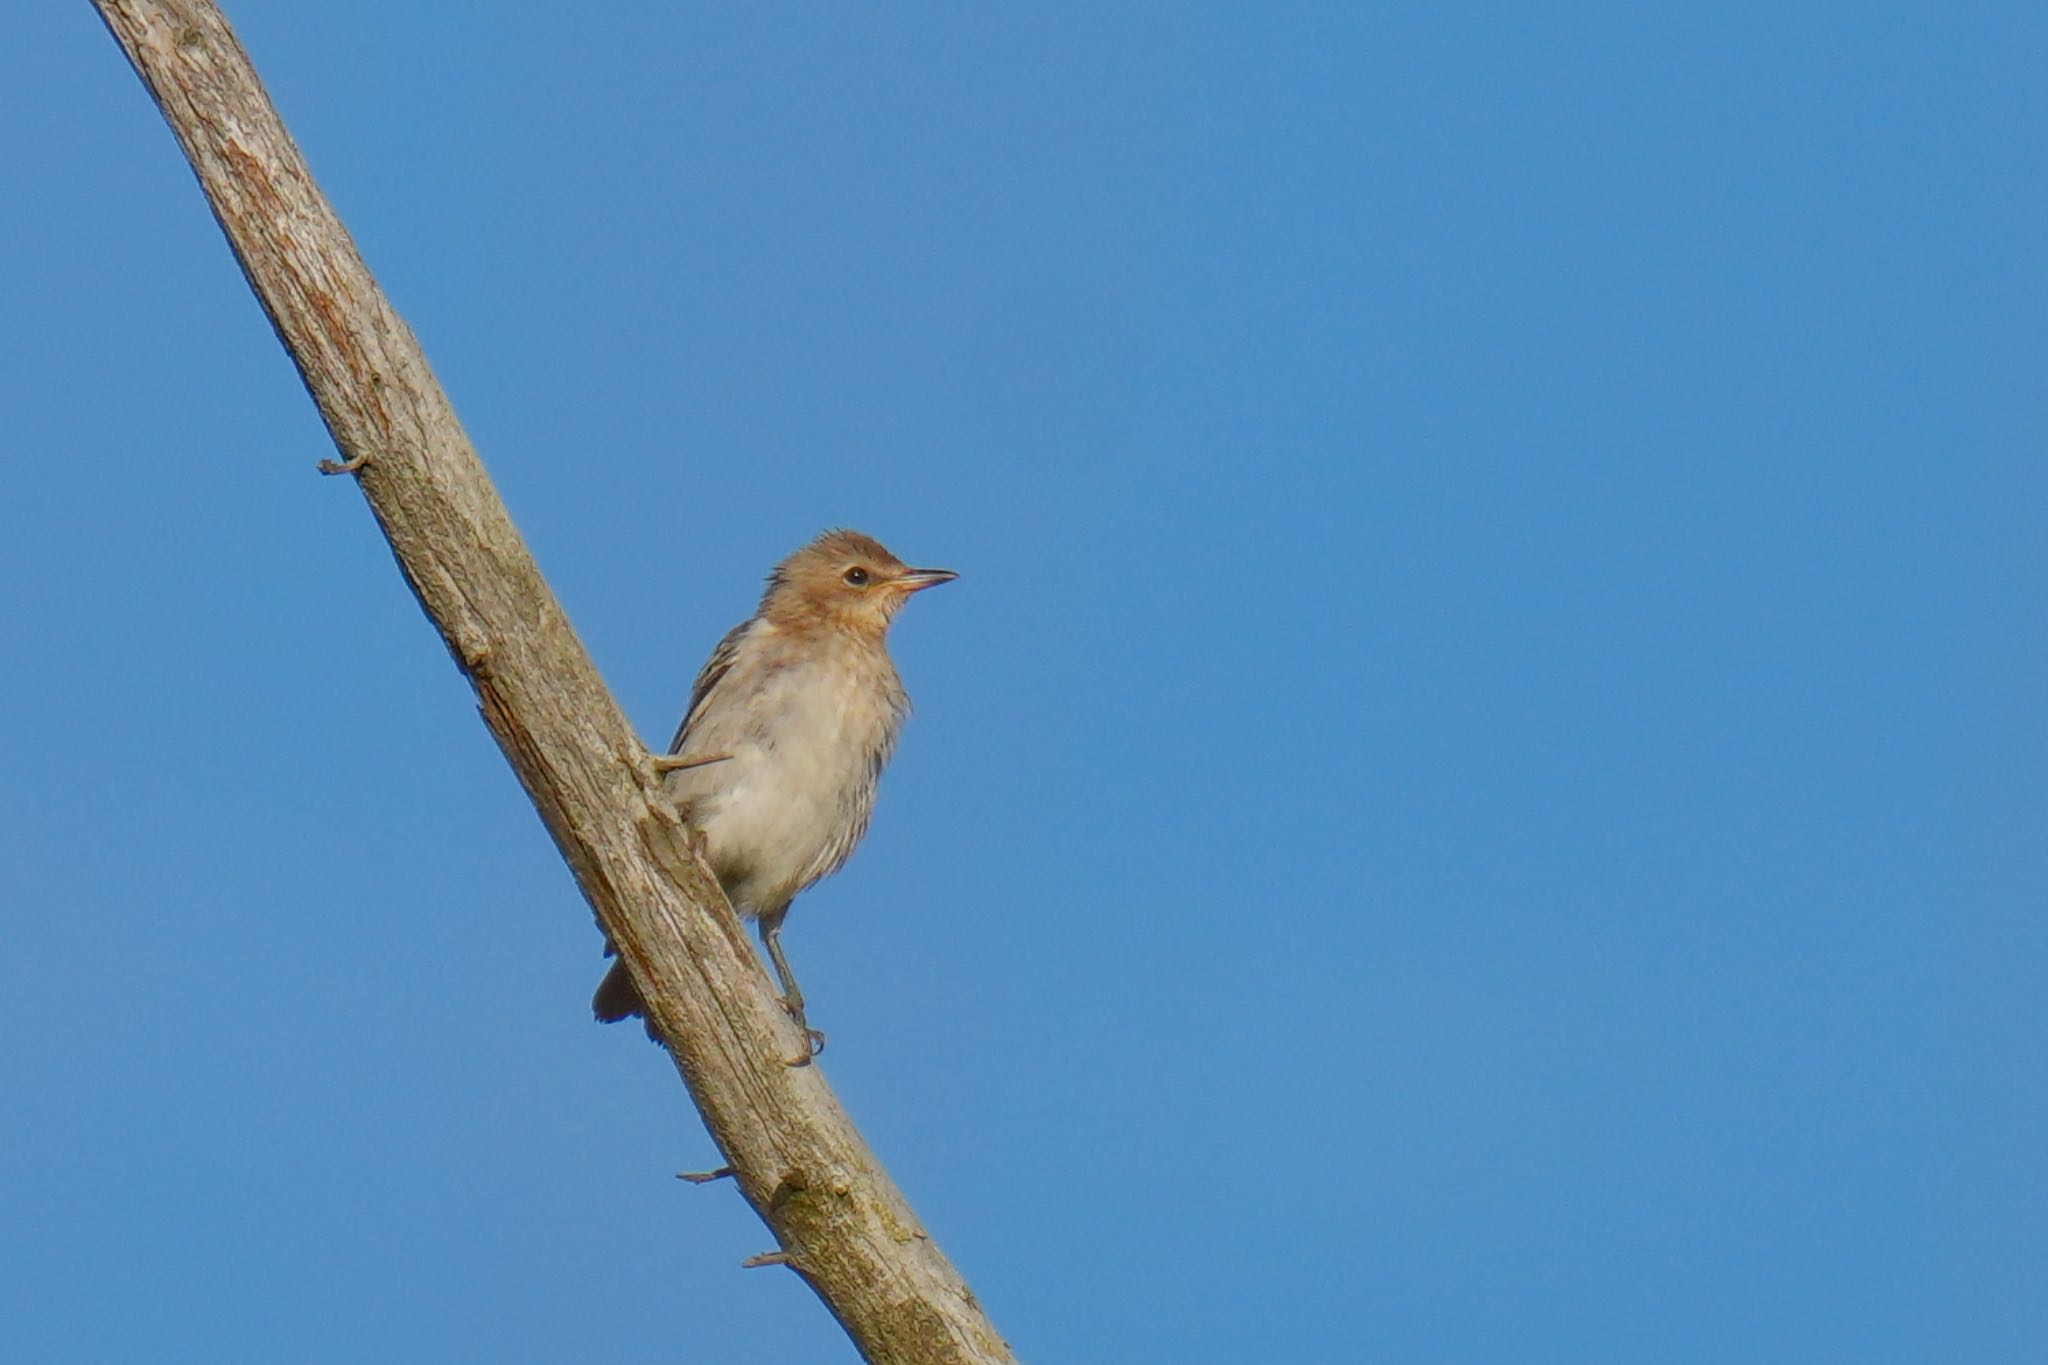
x=808, y=740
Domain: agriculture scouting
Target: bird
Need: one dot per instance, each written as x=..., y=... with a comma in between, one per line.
x=784, y=740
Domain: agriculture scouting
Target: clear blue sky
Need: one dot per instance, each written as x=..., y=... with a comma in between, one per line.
x=1479, y=797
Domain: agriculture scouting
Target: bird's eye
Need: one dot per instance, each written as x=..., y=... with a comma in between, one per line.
x=857, y=576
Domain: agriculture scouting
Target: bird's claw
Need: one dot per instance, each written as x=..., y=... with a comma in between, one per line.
x=814, y=1039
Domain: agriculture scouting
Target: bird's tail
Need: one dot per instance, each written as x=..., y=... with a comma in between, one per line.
x=617, y=997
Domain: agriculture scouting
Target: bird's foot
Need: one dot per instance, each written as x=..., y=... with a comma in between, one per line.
x=814, y=1039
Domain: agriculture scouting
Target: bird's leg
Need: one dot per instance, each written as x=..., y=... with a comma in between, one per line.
x=792, y=995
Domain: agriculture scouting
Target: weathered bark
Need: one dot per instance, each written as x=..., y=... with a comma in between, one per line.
x=838, y=1219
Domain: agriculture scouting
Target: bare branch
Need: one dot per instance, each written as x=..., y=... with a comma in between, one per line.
x=797, y=1159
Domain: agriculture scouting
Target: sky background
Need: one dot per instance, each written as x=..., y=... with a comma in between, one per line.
x=1479, y=796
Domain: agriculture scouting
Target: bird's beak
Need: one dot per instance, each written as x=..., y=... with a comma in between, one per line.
x=917, y=580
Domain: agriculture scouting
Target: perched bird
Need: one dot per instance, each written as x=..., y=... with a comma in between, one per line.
x=788, y=727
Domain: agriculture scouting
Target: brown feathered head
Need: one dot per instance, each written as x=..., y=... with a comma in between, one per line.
x=844, y=580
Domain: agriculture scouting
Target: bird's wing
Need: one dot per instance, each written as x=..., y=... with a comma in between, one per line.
x=715, y=669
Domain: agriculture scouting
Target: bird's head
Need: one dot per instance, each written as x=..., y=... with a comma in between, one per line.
x=845, y=581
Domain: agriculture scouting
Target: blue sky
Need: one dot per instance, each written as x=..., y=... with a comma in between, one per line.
x=1479, y=796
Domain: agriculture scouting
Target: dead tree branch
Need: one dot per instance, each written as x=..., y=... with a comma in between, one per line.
x=838, y=1220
